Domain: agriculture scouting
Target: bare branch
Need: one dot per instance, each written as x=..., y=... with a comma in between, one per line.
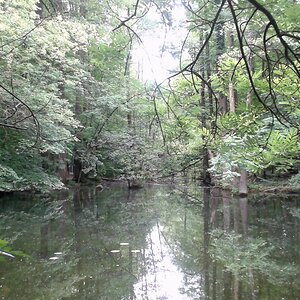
x=35, y=120
x=279, y=35
x=123, y=23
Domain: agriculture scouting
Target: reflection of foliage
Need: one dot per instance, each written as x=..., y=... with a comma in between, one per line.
x=7, y=251
x=294, y=181
x=84, y=237
x=86, y=226
x=295, y=212
x=280, y=275
x=238, y=254
x=244, y=255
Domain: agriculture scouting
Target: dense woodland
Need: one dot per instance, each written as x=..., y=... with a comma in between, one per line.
x=74, y=105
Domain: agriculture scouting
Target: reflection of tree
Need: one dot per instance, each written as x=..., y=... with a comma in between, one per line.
x=229, y=253
x=44, y=240
x=251, y=258
x=118, y=218
x=206, y=264
x=85, y=228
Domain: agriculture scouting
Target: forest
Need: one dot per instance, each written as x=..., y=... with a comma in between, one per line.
x=149, y=149
x=77, y=103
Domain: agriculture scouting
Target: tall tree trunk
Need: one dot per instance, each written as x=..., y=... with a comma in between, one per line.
x=127, y=75
x=206, y=74
x=220, y=49
x=231, y=97
x=221, y=105
x=80, y=104
x=243, y=184
x=250, y=93
x=205, y=157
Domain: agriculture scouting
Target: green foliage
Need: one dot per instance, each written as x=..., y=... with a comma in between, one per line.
x=282, y=150
x=257, y=146
x=70, y=74
x=8, y=178
x=239, y=254
x=35, y=59
x=74, y=94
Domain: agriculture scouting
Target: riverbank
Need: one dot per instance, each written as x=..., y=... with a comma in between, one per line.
x=259, y=186
x=274, y=186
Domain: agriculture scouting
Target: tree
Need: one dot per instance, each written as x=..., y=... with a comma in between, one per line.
x=249, y=75
x=69, y=92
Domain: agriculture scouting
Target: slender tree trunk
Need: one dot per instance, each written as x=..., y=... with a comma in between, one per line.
x=232, y=98
x=80, y=104
x=243, y=184
x=208, y=73
x=127, y=75
x=250, y=93
x=222, y=104
x=205, y=157
x=220, y=49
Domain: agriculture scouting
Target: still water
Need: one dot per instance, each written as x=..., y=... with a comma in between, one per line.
x=154, y=243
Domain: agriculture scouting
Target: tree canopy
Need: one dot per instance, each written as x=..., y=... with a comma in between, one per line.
x=74, y=103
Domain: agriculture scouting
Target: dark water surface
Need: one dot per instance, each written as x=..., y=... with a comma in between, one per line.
x=153, y=243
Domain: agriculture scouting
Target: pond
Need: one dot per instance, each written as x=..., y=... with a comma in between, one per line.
x=159, y=242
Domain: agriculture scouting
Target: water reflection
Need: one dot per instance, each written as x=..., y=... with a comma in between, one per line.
x=155, y=243
x=161, y=278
